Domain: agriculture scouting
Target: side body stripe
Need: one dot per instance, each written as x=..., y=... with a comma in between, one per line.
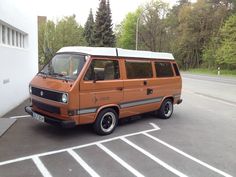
x=140, y=102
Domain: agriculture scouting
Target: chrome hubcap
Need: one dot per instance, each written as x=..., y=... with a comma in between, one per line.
x=108, y=121
x=168, y=109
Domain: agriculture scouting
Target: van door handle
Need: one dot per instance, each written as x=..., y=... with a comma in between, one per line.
x=119, y=88
x=149, y=91
x=144, y=82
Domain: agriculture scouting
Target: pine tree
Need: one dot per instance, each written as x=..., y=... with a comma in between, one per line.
x=103, y=33
x=109, y=39
x=89, y=29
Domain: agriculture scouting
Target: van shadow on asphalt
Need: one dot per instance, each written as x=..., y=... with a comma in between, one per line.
x=127, y=125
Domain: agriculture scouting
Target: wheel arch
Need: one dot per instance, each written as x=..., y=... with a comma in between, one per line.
x=112, y=106
x=171, y=97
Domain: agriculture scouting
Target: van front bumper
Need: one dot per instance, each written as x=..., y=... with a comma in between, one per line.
x=52, y=121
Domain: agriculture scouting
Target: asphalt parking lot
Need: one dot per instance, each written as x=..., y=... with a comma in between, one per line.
x=199, y=140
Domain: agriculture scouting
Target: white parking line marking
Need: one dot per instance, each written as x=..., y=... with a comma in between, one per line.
x=82, y=163
x=122, y=162
x=18, y=117
x=75, y=147
x=188, y=156
x=154, y=126
x=165, y=165
x=41, y=167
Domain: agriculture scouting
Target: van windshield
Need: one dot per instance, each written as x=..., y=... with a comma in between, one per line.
x=64, y=66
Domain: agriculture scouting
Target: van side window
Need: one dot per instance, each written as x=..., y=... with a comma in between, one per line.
x=138, y=69
x=103, y=70
x=164, y=69
x=176, y=69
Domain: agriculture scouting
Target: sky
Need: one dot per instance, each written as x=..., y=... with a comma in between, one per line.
x=56, y=9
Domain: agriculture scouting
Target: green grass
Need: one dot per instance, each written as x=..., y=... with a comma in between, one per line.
x=223, y=72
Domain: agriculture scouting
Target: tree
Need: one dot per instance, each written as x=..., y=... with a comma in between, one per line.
x=103, y=33
x=126, y=33
x=109, y=39
x=209, y=52
x=53, y=36
x=153, y=26
x=46, y=41
x=69, y=33
x=220, y=10
x=41, y=39
x=89, y=29
x=189, y=30
x=226, y=53
x=196, y=32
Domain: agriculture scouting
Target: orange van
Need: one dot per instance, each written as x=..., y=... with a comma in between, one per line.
x=83, y=85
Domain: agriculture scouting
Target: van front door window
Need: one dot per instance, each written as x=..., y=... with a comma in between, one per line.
x=103, y=70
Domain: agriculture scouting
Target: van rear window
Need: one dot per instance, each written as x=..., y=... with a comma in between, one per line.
x=164, y=69
x=176, y=69
x=138, y=69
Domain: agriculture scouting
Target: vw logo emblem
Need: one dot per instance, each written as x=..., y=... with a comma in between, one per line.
x=41, y=93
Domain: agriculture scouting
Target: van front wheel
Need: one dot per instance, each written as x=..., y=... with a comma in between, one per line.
x=166, y=109
x=106, y=122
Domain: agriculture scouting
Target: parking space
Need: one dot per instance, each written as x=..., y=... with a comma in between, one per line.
x=199, y=140
x=19, y=169
x=136, y=154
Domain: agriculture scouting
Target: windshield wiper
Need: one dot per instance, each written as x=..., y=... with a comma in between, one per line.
x=57, y=74
x=64, y=77
x=41, y=72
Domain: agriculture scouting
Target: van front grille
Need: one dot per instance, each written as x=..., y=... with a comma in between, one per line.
x=46, y=107
x=47, y=94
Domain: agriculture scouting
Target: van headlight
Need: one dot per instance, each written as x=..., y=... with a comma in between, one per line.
x=30, y=89
x=64, y=98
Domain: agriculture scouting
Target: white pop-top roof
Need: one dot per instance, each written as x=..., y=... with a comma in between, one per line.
x=117, y=52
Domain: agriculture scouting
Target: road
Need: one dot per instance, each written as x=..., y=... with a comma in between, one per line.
x=199, y=140
x=213, y=87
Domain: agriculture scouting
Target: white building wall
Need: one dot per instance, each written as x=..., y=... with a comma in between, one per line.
x=18, y=65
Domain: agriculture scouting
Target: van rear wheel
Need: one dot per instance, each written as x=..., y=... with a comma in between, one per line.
x=106, y=122
x=166, y=109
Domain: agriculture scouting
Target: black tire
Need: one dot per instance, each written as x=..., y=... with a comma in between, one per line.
x=106, y=122
x=166, y=109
